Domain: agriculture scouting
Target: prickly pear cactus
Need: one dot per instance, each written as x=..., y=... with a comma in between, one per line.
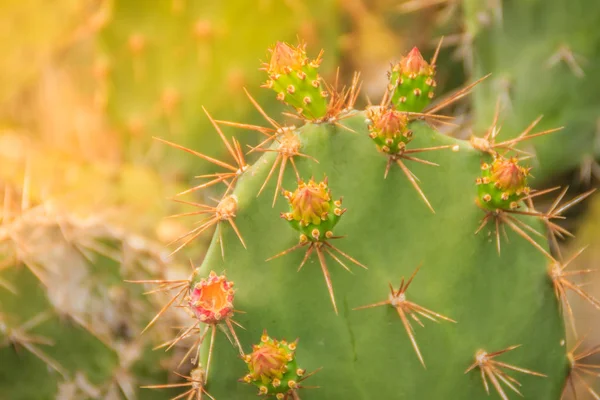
x=401, y=263
x=531, y=77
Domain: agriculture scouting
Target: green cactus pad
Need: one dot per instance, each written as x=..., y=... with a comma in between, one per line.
x=497, y=300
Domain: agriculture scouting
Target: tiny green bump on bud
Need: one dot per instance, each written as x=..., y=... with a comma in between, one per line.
x=313, y=212
x=290, y=71
x=412, y=80
x=503, y=184
x=272, y=366
x=389, y=129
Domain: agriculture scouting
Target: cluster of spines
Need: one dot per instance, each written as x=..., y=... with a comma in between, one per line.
x=209, y=301
x=503, y=194
x=390, y=130
x=502, y=188
x=314, y=213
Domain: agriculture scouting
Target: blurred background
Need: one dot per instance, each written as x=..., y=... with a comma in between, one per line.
x=84, y=187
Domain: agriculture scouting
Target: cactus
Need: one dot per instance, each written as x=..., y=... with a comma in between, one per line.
x=163, y=59
x=533, y=77
x=65, y=316
x=501, y=310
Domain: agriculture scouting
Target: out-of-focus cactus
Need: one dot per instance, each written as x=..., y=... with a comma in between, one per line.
x=43, y=31
x=65, y=315
x=165, y=59
x=542, y=58
x=489, y=299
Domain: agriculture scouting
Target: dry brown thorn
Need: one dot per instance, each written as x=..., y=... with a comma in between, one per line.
x=5, y=264
x=406, y=308
x=342, y=101
x=589, y=169
x=321, y=247
x=556, y=211
x=235, y=170
x=166, y=286
x=579, y=367
x=502, y=218
x=565, y=54
x=196, y=381
x=488, y=144
x=492, y=369
x=225, y=210
x=454, y=97
x=13, y=216
x=195, y=329
x=271, y=133
x=405, y=155
x=20, y=336
x=560, y=280
x=287, y=149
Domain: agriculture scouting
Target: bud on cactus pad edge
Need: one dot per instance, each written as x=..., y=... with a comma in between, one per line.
x=296, y=80
x=389, y=129
x=502, y=184
x=272, y=367
x=313, y=212
x=412, y=82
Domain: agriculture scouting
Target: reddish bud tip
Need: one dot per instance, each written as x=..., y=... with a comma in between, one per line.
x=509, y=175
x=285, y=57
x=391, y=122
x=414, y=63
